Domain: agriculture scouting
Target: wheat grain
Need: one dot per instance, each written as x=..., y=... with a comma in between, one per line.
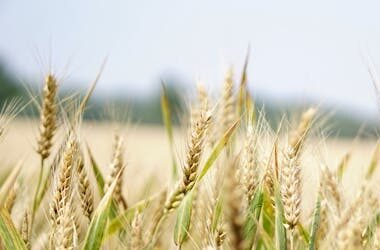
x=220, y=237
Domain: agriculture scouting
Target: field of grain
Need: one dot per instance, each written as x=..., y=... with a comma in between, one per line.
x=147, y=150
x=223, y=180
x=147, y=155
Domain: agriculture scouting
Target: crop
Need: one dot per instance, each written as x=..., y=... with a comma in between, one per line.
x=238, y=186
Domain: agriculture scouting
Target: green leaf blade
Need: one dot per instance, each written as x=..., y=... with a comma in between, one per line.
x=217, y=214
x=182, y=225
x=281, y=240
x=166, y=117
x=315, y=224
x=125, y=218
x=9, y=234
x=217, y=149
x=96, y=229
x=253, y=217
x=98, y=174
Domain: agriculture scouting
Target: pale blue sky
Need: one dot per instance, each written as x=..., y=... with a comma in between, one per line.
x=300, y=49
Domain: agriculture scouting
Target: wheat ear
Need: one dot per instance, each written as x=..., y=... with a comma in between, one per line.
x=48, y=117
x=62, y=191
x=249, y=175
x=65, y=233
x=85, y=190
x=190, y=169
x=136, y=241
x=11, y=198
x=235, y=203
x=117, y=166
x=330, y=189
x=227, y=115
x=291, y=175
x=25, y=230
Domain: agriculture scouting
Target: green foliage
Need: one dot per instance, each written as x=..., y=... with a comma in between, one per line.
x=98, y=174
x=182, y=225
x=9, y=234
x=281, y=240
x=95, y=232
x=217, y=150
x=167, y=119
x=253, y=217
x=124, y=218
x=315, y=225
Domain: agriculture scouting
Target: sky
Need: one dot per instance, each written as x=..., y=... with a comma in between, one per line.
x=300, y=50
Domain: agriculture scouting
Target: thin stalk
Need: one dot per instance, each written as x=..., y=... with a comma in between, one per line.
x=37, y=191
x=292, y=239
x=158, y=224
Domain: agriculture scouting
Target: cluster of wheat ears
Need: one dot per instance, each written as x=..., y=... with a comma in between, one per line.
x=238, y=187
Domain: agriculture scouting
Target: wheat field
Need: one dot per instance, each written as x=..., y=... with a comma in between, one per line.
x=223, y=180
x=19, y=144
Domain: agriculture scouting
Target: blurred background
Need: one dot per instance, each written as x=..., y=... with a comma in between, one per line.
x=302, y=53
